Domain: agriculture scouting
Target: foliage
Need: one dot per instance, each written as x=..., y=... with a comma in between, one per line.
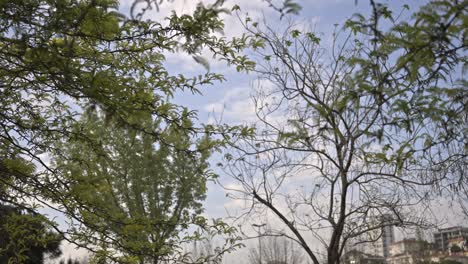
x=26, y=237
x=140, y=200
x=355, y=137
x=60, y=57
x=455, y=248
x=288, y=7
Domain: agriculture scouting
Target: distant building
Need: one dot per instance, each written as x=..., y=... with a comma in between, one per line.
x=358, y=257
x=376, y=242
x=388, y=237
x=382, y=237
x=443, y=236
x=409, y=245
x=409, y=251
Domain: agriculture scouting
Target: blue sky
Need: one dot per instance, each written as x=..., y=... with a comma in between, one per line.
x=232, y=99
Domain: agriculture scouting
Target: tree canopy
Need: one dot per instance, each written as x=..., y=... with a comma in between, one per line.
x=140, y=200
x=61, y=57
x=89, y=127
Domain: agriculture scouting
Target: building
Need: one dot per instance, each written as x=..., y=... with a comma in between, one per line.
x=409, y=251
x=443, y=236
x=388, y=237
x=382, y=237
x=377, y=241
x=358, y=257
x=408, y=245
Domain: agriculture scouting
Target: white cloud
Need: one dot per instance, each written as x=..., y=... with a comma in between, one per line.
x=235, y=106
x=238, y=105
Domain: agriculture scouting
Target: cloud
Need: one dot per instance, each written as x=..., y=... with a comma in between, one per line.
x=181, y=62
x=236, y=106
x=239, y=105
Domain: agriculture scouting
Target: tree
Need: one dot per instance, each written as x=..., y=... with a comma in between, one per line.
x=26, y=237
x=58, y=58
x=353, y=139
x=69, y=261
x=203, y=252
x=455, y=249
x=276, y=250
x=140, y=200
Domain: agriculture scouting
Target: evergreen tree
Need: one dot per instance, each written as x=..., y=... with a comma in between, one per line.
x=26, y=237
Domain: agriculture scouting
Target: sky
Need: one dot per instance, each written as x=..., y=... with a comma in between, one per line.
x=231, y=100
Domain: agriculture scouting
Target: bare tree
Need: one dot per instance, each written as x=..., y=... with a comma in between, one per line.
x=203, y=252
x=276, y=250
x=353, y=139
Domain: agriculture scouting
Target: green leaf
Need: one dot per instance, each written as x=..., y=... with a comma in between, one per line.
x=295, y=33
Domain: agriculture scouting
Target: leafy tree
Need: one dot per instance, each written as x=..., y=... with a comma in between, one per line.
x=354, y=138
x=455, y=248
x=286, y=7
x=140, y=199
x=60, y=57
x=26, y=237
